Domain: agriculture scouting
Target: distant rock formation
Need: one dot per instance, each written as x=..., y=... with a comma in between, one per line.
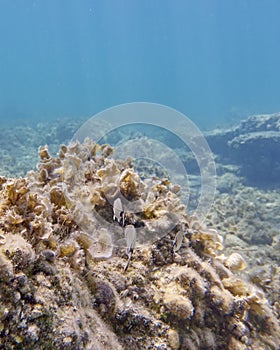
x=254, y=145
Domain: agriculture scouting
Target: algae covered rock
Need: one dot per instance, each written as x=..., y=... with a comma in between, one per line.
x=66, y=281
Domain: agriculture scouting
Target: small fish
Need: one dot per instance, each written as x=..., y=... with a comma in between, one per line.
x=178, y=240
x=130, y=238
x=118, y=211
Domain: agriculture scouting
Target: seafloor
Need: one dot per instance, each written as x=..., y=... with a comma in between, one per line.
x=219, y=289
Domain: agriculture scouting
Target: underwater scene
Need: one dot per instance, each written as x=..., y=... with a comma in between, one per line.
x=139, y=175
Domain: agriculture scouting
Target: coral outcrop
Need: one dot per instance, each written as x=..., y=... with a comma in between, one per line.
x=65, y=281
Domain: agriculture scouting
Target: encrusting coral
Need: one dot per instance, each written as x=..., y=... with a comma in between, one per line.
x=64, y=273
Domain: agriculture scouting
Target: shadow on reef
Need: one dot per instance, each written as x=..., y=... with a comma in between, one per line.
x=254, y=145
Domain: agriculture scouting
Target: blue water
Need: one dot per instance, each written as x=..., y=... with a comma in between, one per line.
x=217, y=61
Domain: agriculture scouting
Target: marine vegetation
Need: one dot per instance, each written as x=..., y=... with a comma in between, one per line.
x=94, y=257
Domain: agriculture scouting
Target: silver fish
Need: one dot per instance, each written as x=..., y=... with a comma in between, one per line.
x=130, y=239
x=118, y=211
x=178, y=240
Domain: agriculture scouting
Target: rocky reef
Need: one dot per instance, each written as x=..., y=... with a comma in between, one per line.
x=66, y=281
x=248, y=220
x=19, y=144
x=253, y=145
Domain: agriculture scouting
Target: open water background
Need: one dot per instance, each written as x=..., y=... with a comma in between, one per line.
x=216, y=61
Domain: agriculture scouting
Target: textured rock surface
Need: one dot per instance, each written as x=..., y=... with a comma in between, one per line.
x=55, y=294
x=249, y=221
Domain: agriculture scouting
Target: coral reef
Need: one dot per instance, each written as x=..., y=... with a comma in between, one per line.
x=64, y=274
